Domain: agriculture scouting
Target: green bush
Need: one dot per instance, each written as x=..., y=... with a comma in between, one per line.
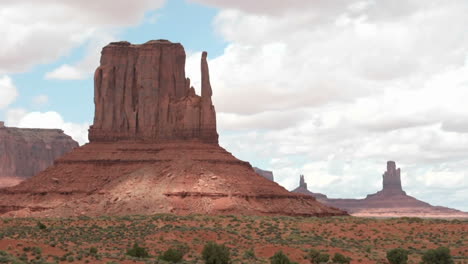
x=93, y=251
x=41, y=226
x=440, y=255
x=137, y=252
x=340, y=258
x=216, y=254
x=397, y=256
x=280, y=258
x=249, y=254
x=172, y=255
x=316, y=257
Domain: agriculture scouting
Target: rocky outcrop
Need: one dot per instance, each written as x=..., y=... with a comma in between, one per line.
x=302, y=189
x=264, y=173
x=153, y=149
x=25, y=152
x=391, y=180
x=391, y=201
x=142, y=93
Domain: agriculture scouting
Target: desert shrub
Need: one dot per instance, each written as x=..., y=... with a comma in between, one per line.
x=172, y=255
x=280, y=258
x=250, y=254
x=216, y=254
x=41, y=226
x=440, y=255
x=340, y=258
x=316, y=257
x=93, y=251
x=137, y=252
x=397, y=256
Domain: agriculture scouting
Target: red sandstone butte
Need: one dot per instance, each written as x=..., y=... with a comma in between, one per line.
x=24, y=152
x=153, y=149
x=391, y=201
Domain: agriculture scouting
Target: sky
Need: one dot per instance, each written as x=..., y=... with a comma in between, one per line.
x=328, y=89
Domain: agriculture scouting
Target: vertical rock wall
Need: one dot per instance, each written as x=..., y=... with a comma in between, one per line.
x=25, y=152
x=141, y=93
x=392, y=179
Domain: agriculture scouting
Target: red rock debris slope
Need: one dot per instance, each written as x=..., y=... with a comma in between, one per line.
x=25, y=152
x=153, y=149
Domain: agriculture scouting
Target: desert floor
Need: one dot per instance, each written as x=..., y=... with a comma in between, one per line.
x=365, y=240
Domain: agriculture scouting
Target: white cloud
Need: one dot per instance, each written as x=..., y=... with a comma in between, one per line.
x=65, y=72
x=84, y=68
x=20, y=118
x=8, y=91
x=334, y=89
x=40, y=100
x=36, y=32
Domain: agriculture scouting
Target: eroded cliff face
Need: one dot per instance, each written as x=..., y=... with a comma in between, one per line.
x=142, y=93
x=25, y=152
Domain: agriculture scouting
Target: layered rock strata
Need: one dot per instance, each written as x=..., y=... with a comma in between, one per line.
x=391, y=201
x=25, y=152
x=153, y=149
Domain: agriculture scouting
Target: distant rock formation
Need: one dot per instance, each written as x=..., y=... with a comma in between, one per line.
x=264, y=173
x=391, y=201
x=302, y=189
x=392, y=180
x=153, y=149
x=25, y=152
x=141, y=93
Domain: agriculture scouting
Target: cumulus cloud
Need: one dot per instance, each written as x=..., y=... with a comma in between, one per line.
x=334, y=89
x=66, y=72
x=8, y=91
x=85, y=67
x=22, y=118
x=41, y=32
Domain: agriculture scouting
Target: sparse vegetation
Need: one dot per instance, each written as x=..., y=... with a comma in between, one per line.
x=280, y=258
x=249, y=239
x=172, y=255
x=317, y=257
x=137, y=252
x=440, y=255
x=397, y=256
x=340, y=258
x=216, y=254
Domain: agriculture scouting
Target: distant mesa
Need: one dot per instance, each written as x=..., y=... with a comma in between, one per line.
x=264, y=173
x=24, y=152
x=153, y=149
x=391, y=201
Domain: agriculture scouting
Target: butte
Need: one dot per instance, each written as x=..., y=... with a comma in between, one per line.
x=391, y=201
x=153, y=148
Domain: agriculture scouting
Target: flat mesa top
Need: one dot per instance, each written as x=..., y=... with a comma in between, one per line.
x=151, y=42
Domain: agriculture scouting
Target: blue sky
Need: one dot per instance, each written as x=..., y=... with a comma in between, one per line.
x=331, y=90
x=177, y=20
